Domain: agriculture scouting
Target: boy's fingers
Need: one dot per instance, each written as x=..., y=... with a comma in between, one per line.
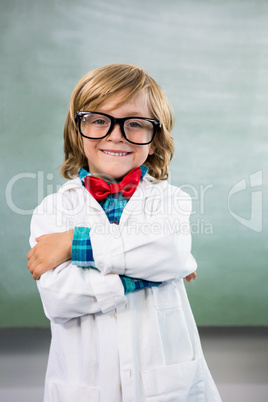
x=29, y=254
x=36, y=275
x=39, y=237
x=31, y=264
x=188, y=278
x=35, y=270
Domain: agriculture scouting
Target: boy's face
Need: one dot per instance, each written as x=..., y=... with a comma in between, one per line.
x=125, y=156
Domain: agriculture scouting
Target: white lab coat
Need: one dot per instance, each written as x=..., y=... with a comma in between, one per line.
x=108, y=347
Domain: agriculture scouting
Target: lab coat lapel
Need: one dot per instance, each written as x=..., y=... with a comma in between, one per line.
x=136, y=202
x=84, y=197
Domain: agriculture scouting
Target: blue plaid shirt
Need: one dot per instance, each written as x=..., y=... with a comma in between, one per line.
x=82, y=254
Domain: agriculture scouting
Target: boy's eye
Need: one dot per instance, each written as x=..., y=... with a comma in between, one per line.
x=95, y=120
x=99, y=122
x=134, y=124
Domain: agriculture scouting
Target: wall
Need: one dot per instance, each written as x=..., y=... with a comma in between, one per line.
x=211, y=57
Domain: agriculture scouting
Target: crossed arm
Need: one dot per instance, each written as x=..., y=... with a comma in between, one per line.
x=69, y=291
x=54, y=249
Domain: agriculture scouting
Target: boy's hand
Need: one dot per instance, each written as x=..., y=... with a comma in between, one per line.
x=50, y=251
x=190, y=277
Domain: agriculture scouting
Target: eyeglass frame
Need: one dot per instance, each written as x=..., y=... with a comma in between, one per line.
x=114, y=120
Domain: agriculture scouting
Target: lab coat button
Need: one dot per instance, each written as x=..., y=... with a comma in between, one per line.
x=115, y=313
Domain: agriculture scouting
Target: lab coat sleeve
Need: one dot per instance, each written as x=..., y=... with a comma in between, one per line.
x=69, y=291
x=155, y=248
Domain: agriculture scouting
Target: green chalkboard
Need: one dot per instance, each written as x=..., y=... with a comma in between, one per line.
x=211, y=57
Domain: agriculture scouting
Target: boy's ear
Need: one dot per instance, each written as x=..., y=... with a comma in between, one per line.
x=151, y=149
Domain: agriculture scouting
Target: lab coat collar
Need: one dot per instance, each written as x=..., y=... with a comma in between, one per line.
x=144, y=190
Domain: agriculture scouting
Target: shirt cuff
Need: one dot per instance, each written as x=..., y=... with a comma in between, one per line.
x=82, y=254
x=132, y=284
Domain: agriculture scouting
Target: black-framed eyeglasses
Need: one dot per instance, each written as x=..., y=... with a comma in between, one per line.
x=137, y=130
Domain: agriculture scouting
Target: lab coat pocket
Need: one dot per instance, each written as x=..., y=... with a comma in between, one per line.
x=172, y=326
x=61, y=392
x=175, y=383
x=166, y=296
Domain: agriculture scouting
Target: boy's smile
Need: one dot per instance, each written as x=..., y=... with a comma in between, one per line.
x=113, y=155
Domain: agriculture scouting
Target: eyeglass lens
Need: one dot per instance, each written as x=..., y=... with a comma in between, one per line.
x=136, y=130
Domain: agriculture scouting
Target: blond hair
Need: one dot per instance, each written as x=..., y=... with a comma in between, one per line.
x=103, y=85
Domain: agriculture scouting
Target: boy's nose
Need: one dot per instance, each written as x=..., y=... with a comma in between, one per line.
x=116, y=134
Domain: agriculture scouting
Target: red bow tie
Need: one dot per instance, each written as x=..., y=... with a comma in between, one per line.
x=100, y=189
